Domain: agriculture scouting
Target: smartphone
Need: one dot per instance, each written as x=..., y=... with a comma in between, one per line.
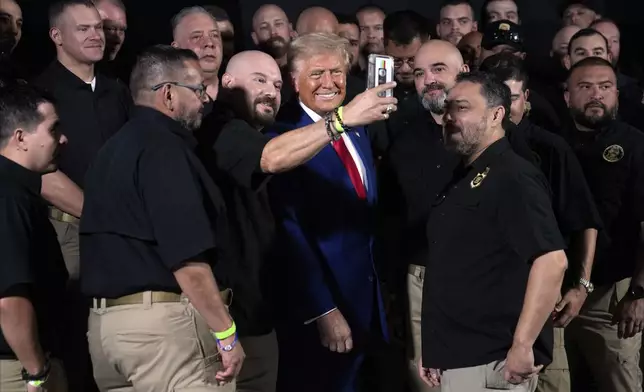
x=381, y=71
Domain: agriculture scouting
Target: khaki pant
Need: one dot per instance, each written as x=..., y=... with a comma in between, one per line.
x=11, y=377
x=259, y=373
x=415, y=278
x=68, y=239
x=153, y=347
x=556, y=377
x=482, y=379
x=595, y=353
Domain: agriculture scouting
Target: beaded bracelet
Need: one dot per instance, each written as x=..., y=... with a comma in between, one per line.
x=339, y=124
x=328, y=122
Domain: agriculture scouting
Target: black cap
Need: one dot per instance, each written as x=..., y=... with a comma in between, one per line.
x=502, y=32
x=596, y=5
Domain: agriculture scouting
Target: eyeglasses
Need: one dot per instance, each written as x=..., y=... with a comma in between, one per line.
x=398, y=62
x=200, y=90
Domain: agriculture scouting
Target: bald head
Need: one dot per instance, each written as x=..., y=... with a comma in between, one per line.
x=316, y=20
x=254, y=80
x=436, y=65
x=562, y=39
x=251, y=61
x=470, y=48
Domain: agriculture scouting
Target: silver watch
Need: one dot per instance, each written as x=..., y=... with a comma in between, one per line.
x=587, y=285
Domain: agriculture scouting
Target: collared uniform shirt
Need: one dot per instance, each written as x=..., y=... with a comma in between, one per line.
x=90, y=113
x=231, y=150
x=32, y=264
x=613, y=161
x=485, y=230
x=149, y=207
x=572, y=199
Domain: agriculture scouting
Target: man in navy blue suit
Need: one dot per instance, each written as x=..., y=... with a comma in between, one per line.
x=330, y=305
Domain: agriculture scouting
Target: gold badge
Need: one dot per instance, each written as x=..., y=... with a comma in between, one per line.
x=504, y=26
x=479, y=178
x=613, y=153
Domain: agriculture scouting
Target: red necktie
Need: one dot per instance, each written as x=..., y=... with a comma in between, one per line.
x=345, y=156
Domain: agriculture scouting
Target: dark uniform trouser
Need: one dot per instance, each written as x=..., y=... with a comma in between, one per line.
x=11, y=377
x=595, y=353
x=259, y=372
x=76, y=354
x=155, y=345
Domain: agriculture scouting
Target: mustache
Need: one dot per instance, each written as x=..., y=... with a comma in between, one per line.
x=595, y=104
x=434, y=86
x=266, y=100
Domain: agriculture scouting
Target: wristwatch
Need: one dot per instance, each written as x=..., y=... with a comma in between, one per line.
x=40, y=377
x=587, y=285
x=635, y=292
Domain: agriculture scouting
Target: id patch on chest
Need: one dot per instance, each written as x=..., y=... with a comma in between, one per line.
x=478, y=179
x=613, y=153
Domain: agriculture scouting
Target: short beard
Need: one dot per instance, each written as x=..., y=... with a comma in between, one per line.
x=594, y=122
x=276, y=47
x=189, y=122
x=435, y=105
x=471, y=139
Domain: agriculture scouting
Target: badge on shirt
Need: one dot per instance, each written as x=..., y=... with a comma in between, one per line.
x=613, y=153
x=476, y=182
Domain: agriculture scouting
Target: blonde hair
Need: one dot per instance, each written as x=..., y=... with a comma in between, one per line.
x=306, y=46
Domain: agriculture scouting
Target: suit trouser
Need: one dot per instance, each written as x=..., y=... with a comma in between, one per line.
x=153, y=347
x=595, y=353
x=259, y=372
x=11, y=377
x=482, y=378
x=556, y=376
x=76, y=355
x=415, y=279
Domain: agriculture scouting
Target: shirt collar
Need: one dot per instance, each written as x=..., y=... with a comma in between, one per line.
x=64, y=76
x=314, y=116
x=29, y=179
x=153, y=115
x=490, y=154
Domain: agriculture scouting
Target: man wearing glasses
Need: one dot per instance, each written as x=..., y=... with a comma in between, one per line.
x=158, y=320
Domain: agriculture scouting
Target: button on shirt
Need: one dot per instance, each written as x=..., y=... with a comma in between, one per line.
x=149, y=207
x=613, y=161
x=90, y=113
x=485, y=230
x=32, y=264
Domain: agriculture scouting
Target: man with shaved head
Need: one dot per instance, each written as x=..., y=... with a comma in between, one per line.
x=470, y=47
x=414, y=154
x=561, y=40
x=240, y=158
x=272, y=32
x=316, y=20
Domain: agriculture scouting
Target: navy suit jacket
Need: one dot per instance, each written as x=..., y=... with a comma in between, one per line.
x=325, y=235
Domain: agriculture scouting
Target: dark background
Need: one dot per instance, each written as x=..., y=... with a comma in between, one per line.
x=149, y=23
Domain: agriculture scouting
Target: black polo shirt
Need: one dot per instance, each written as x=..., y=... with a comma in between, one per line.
x=612, y=159
x=415, y=169
x=231, y=150
x=149, y=207
x=572, y=200
x=88, y=118
x=485, y=230
x=32, y=264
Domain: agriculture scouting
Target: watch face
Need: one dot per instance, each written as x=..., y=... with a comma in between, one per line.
x=636, y=292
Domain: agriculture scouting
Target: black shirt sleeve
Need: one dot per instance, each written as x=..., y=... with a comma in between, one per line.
x=15, y=231
x=174, y=200
x=638, y=185
x=526, y=214
x=238, y=150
